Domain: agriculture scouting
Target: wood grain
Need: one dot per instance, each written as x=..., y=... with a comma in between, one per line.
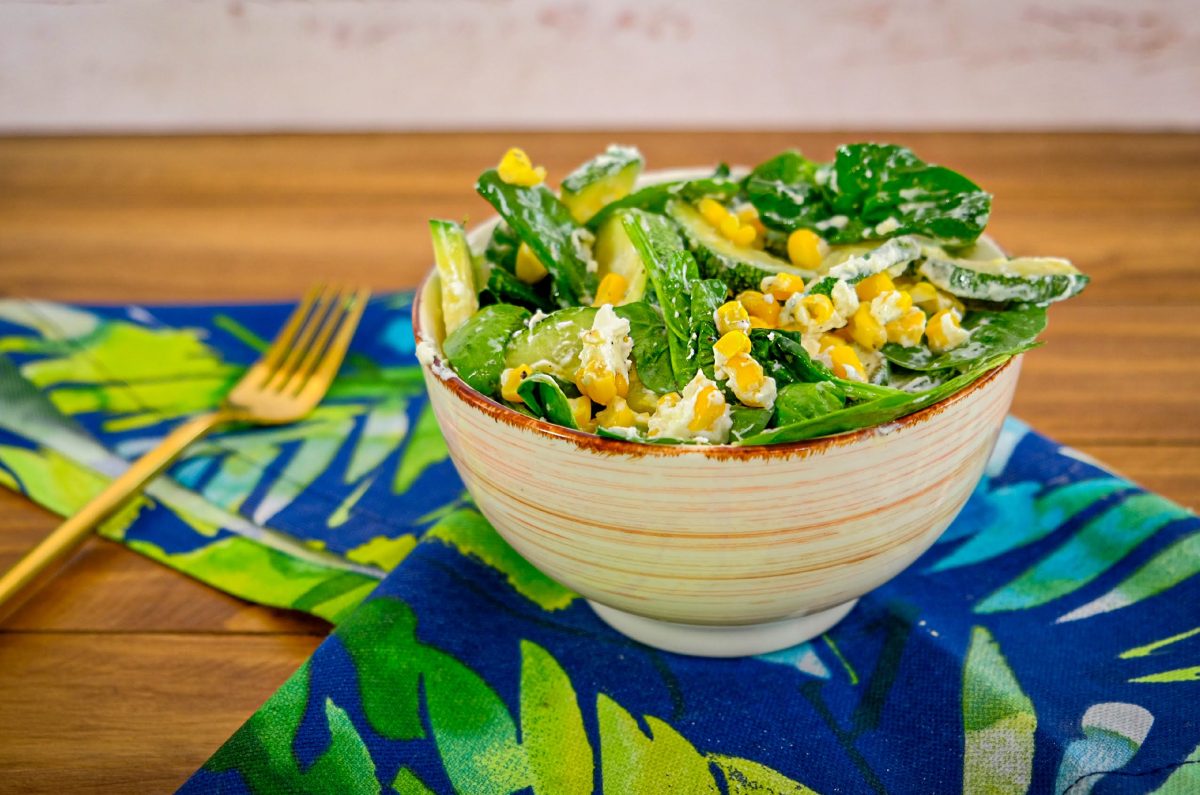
x=107, y=679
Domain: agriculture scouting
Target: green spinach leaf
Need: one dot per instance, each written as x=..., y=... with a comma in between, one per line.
x=651, y=352
x=544, y=223
x=707, y=295
x=993, y=332
x=672, y=271
x=747, y=421
x=503, y=287
x=546, y=399
x=476, y=348
x=798, y=402
x=784, y=190
x=502, y=247
x=654, y=198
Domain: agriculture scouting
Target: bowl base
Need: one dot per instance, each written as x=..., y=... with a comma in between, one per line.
x=722, y=641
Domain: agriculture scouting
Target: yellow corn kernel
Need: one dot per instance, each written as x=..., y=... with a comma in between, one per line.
x=783, y=286
x=747, y=373
x=759, y=306
x=846, y=363
x=600, y=384
x=616, y=415
x=668, y=400
x=944, y=331
x=713, y=211
x=758, y=322
x=872, y=286
x=529, y=268
x=907, y=329
x=924, y=295
x=729, y=226
x=865, y=329
x=948, y=301
x=744, y=235
x=581, y=410
x=819, y=308
x=732, y=344
x=804, y=249
x=710, y=404
x=611, y=290
x=516, y=169
x=748, y=215
x=828, y=341
x=510, y=379
x=732, y=315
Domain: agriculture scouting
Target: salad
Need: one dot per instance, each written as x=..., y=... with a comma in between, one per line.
x=799, y=300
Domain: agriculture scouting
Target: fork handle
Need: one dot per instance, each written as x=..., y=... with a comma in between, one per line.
x=68, y=535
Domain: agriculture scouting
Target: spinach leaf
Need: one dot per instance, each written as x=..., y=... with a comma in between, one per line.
x=654, y=198
x=546, y=399
x=748, y=421
x=798, y=402
x=502, y=247
x=873, y=412
x=871, y=192
x=672, y=271
x=887, y=190
x=993, y=332
x=503, y=287
x=634, y=435
x=544, y=223
x=476, y=348
x=783, y=357
x=707, y=295
x=784, y=190
x=651, y=352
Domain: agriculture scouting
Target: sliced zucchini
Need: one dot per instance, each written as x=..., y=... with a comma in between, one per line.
x=552, y=344
x=615, y=253
x=740, y=267
x=603, y=179
x=456, y=270
x=893, y=256
x=1035, y=280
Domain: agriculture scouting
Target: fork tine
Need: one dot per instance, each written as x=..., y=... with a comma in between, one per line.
x=328, y=366
x=283, y=340
x=312, y=356
x=300, y=343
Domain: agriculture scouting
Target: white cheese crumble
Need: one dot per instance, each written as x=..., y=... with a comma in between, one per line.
x=845, y=300
x=607, y=344
x=537, y=317
x=762, y=396
x=582, y=240
x=672, y=422
x=886, y=307
x=955, y=334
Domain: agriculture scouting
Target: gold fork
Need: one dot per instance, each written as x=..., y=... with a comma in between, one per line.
x=283, y=386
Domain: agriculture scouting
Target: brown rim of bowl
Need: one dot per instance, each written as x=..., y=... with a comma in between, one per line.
x=502, y=413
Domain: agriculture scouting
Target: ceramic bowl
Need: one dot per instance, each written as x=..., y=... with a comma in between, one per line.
x=714, y=550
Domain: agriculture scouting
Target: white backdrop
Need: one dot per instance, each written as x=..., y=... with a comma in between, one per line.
x=197, y=65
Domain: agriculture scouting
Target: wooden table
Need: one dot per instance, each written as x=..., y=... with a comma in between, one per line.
x=124, y=675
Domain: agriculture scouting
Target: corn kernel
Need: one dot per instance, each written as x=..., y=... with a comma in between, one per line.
x=732, y=344
x=828, y=341
x=944, y=331
x=581, y=410
x=516, y=169
x=760, y=306
x=872, y=286
x=747, y=374
x=924, y=295
x=804, y=249
x=783, y=286
x=529, y=268
x=611, y=290
x=732, y=315
x=600, y=384
x=729, y=226
x=744, y=235
x=668, y=400
x=748, y=215
x=846, y=363
x=709, y=406
x=819, y=308
x=616, y=415
x=907, y=329
x=865, y=329
x=510, y=379
x=713, y=211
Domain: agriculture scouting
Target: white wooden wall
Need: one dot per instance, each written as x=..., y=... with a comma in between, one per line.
x=184, y=65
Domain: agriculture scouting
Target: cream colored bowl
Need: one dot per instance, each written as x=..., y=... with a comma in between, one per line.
x=717, y=551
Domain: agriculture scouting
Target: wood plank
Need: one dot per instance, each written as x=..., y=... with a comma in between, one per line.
x=103, y=713
x=1170, y=470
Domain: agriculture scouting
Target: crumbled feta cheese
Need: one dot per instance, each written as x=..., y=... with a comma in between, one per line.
x=537, y=317
x=955, y=334
x=845, y=301
x=583, y=240
x=761, y=396
x=673, y=421
x=886, y=307
x=607, y=345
